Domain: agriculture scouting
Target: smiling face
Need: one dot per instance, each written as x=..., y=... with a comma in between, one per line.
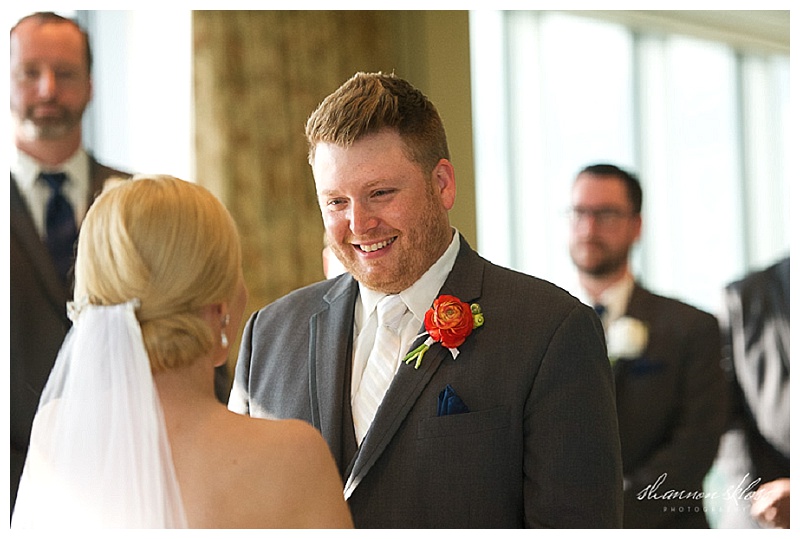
x=385, y=218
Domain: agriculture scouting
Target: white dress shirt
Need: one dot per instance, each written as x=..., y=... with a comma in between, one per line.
x=418, y=298
x=614, y=298
x=36, y=193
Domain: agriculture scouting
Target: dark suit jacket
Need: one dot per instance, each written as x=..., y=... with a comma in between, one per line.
x=671, y=403
x=539, y=446
x=38, y=317
x=755, y=329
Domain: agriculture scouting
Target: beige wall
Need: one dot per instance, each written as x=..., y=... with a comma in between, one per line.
x=257, y=77
x=434, y=49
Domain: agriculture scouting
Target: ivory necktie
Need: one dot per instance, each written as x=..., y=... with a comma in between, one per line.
x=381, y=364
x=61, y=231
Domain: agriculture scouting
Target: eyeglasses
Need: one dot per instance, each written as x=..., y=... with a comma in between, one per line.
x=601, y=216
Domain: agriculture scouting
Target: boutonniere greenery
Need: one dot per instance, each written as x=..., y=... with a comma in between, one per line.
x=626, y=338
x=450, y=321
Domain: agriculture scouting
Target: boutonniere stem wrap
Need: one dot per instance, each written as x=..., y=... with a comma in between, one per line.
x=450, y=321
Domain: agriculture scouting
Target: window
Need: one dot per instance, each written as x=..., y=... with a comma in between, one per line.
x=140, y=116
x=703, y=126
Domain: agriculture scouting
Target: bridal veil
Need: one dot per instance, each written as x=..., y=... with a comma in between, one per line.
x=99, y=454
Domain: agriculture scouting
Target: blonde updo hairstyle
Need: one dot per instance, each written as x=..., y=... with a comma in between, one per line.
x=171, y=244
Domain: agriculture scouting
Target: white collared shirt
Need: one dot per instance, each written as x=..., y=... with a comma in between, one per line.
x=615, y=299
x=36, y=193
x=418, y=298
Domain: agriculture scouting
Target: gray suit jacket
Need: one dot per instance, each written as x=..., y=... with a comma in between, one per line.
x=672, y=404
x=539, y=447
x=38, y=318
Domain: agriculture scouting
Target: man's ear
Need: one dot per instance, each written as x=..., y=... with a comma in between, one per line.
x=444, y=176
x=637, y=227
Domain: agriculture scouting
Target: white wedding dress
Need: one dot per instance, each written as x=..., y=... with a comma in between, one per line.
x=99, y=455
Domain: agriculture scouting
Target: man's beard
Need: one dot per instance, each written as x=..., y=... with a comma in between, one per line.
x=607, y=264
x=50, y=128
x=603, y=268
x=422, y=243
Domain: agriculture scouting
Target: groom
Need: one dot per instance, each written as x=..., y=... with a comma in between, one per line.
x=506, y=420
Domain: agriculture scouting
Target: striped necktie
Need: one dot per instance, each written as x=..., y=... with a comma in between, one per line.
x=381, y=365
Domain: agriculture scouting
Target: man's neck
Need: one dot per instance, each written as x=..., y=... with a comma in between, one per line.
x=595, y=285
x=51, y=152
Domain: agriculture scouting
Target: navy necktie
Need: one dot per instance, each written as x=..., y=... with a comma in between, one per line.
x=600, y=309
x=61, y=231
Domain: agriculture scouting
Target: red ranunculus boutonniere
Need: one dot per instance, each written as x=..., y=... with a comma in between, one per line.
x=450, y=321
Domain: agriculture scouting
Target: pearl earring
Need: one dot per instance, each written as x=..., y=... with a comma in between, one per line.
x=224, y=337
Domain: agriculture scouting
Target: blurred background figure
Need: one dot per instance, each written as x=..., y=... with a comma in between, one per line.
x=53, y=182
x=670, y=389
x=754, y=452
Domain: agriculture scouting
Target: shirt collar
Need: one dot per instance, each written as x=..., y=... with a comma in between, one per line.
x=26, y=169
x=615, y=298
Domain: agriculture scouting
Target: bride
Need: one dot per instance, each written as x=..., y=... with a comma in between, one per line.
x=129, y=432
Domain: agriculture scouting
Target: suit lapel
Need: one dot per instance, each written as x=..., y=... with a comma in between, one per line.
x=401, y=396
x=330, y=365
x=637, y=308
x=98, y=174
x=23, y=228
x=639, y=296
x=464, y=282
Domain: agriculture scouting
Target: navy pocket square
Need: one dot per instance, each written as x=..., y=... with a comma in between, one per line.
x=450, y=403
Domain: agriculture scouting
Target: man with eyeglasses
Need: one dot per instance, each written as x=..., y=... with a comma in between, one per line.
x=665, y=354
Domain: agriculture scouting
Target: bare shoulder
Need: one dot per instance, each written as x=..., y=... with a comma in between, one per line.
x=297, y=439
x=289, y=472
